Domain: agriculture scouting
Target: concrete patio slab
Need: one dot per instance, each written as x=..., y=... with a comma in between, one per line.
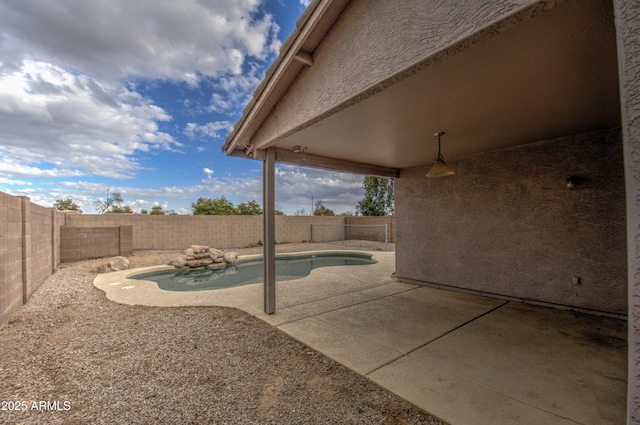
x=467, y=359
x=410, y=319
x=565, y=363
x=352, y=298
x=457, y=400
x=352, y=350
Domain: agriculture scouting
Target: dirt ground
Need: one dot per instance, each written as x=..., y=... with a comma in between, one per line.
x=70, y=356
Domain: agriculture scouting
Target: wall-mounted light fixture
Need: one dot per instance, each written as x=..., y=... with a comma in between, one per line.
x=573, y=181
x=440, y=168
x=299, y=149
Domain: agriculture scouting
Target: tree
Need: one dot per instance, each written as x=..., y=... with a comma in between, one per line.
x=66, y=205
x=300, y=212
x=249, y=208
x=220, y=206
x=143, y=211
x=322, y=210
x=103, y=206
x=378, y=197
x=117, y=209
x=157, y=210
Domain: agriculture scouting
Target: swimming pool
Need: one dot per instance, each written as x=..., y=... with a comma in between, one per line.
x=288, y=267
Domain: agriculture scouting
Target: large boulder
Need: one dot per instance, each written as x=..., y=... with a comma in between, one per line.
x=231, y=257
x=180, y=261
x=114, y=264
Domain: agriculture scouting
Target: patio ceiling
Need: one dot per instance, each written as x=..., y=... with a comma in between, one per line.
x=551, y=76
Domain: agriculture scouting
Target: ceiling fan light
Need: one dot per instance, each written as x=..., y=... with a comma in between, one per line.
x=440, y=169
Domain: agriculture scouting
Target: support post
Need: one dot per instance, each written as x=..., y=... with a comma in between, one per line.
x=269, y=247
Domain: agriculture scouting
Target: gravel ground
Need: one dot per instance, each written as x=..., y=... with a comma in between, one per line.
x=70, y=356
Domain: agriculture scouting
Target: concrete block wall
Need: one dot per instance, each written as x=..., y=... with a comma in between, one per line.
x=81, y=243
x=224, y=232
x=10, y=256
x=371, y=228
x=325, y=229
x=39, y=261
x=29, y=250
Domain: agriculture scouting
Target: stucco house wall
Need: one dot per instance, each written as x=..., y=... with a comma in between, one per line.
x=627, y=14
x=507, y=224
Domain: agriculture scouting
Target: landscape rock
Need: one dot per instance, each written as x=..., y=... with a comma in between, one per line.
x=201, y=256
x=199, y=262
x=199, y=249
x=114, y=264
x=231, y=257
x=180, y=261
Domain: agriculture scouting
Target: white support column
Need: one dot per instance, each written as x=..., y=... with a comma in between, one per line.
x=269, y=206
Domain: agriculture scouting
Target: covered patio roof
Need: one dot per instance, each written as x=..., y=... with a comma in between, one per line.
x=543, y=72
x=495, y=75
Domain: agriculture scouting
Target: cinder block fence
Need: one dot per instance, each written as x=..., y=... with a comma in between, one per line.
x=29, y=250
x=81, y=243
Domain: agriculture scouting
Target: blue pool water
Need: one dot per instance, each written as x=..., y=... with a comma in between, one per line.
x=243, y=273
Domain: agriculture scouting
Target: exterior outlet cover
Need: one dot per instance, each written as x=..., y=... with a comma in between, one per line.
x=577, y=280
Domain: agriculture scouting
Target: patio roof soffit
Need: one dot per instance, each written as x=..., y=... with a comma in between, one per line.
x=295, y=54
x=285, y=156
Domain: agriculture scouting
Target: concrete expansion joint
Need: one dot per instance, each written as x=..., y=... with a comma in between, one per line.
x=408, y=353
x=349, y=305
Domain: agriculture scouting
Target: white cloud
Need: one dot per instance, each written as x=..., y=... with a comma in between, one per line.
x=12, y=182
x=57, y=123
x=292, y=186
x=233, y=92
x=215, y=130
x=305, y=3
x=339, y=191
x=166, y=39
x=76, y=112
x=208, y=172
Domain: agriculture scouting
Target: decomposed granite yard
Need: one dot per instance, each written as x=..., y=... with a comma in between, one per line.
x=70, y=356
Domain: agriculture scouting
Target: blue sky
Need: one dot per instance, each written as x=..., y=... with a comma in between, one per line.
x=137, y=97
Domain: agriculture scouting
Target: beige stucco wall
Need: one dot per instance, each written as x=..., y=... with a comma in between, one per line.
x=391, y=50
x=627, y=23
x=507, y=224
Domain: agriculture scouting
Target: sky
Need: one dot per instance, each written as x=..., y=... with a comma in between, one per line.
x=138, y=97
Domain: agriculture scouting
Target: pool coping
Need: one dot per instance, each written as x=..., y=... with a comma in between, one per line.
x=118, y=287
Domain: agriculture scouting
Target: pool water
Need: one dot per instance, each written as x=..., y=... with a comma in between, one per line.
x=243, y=273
